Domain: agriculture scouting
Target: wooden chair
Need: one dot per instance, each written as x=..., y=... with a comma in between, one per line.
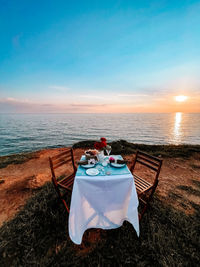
x=145, y=189
x=63, y=182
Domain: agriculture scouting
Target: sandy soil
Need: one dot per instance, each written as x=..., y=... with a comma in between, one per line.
x=20, y=180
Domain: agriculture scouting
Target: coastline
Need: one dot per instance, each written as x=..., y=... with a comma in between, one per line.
x=119, y=147
x=22, y=174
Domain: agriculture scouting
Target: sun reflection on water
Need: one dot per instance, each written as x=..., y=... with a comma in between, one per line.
x=177, y=127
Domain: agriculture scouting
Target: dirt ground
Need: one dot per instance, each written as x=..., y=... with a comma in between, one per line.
x=179, y=181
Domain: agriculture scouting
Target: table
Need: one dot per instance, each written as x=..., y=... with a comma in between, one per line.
x=102, y=201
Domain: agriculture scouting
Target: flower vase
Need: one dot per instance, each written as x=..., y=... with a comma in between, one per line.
x=100, y=156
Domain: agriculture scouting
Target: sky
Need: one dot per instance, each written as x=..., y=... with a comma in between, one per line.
x=99, y=56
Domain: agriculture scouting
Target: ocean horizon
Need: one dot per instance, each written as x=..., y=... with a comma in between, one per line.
x=26, y=132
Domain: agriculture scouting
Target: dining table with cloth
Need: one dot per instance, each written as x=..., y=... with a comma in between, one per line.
x=102, y=201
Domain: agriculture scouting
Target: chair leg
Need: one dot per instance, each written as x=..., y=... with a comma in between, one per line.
x=145, y=199
x=153, y=190
x=65, y=204
x=146, y=206
x=145, y=202
x=60, y=197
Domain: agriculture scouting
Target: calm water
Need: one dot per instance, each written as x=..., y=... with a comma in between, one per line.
x=29, y=132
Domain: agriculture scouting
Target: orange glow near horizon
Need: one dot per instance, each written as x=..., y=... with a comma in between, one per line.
x=190, y=102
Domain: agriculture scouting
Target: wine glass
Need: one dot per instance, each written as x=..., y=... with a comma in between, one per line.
x=108, y=150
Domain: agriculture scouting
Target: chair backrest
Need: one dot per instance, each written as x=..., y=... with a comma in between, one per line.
x=62, y=159
x=148, y=161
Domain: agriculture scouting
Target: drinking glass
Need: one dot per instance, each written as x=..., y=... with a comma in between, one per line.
x=108, y=149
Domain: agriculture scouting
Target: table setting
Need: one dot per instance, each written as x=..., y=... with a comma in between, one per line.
x=108, y=166
x=104, y=193
x=102, y=164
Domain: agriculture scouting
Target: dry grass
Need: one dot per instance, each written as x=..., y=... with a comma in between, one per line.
x=17, y=158
x=38, y=236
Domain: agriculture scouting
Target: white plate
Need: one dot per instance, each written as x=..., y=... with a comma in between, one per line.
x=87, y=166
x=92, y=172
x=116, y=165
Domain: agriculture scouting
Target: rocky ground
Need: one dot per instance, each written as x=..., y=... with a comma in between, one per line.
x=179, y=179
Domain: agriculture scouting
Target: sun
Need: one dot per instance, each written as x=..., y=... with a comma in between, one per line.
x=181, y=98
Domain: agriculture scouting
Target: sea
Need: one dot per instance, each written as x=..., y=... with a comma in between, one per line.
x=31, y=132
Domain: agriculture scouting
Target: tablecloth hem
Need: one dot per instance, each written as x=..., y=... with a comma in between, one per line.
x=106, y=228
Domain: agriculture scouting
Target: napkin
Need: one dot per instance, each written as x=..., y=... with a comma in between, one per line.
x=82, y=162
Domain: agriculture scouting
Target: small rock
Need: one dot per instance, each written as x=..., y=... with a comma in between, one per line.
x=2, y=181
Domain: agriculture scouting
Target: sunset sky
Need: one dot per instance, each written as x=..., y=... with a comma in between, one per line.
x=99, y=56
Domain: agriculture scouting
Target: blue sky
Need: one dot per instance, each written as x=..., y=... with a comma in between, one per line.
x=99, y=56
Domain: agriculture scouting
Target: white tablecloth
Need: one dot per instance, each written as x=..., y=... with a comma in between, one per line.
x=102, y=202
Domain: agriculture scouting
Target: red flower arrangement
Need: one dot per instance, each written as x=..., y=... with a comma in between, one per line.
x=100, y=145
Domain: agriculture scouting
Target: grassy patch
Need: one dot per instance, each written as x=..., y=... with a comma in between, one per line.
x=189, y=189
x=38, y=236
x=17, y=158
x=123, y=147
x=197, y=183
x=195, y=206
x=175, y=196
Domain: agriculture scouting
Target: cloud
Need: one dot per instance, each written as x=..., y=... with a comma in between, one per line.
x=13, y=105
x=12, y=99
x=92, y=96
x=59, y=88
x=88, y=105
x=131, y=95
